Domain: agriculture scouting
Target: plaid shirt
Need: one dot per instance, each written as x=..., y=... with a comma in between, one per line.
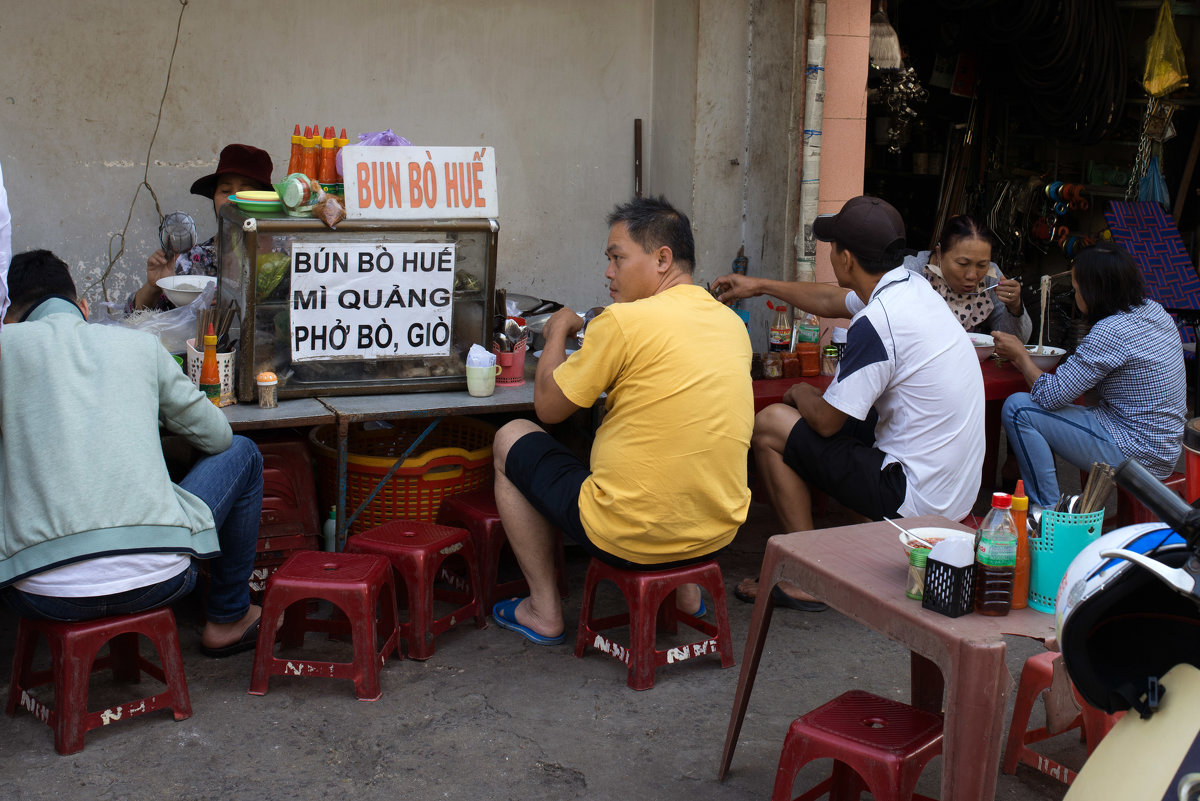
x=1134, y=360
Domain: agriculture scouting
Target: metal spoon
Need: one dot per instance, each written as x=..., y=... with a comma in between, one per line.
x=909, y=534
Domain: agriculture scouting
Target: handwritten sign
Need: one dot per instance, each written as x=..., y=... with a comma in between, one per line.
x=370, y=300
x=410, y=183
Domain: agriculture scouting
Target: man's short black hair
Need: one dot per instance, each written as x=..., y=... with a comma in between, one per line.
x=892, y=257
x=1109, y=280
x=652, y=222
x=36, y=275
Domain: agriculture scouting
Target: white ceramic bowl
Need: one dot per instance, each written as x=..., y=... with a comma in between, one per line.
x=933, y=535
x=1048, y=358
x=183, y=289
x=985, y=346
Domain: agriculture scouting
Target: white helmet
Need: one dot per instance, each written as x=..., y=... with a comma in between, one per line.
x=1125, y=620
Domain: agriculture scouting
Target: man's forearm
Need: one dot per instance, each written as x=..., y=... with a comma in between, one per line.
x=823, y=300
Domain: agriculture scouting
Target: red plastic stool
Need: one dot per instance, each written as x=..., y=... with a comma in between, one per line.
x=1035, y=679
x=417, y=550
x=476, y=512
x=73, y=649
x=877, y=745
x=355, y=584
x=650, y=595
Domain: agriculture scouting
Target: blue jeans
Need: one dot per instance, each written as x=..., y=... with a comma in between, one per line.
x=1036, y=434
x=231, y=484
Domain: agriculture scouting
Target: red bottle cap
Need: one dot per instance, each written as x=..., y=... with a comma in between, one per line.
x=343, y=134
x=297, y=131
x=1001, y=500
x=307, y=131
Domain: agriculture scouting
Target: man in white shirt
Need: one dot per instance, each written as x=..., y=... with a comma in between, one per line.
x=899, y=432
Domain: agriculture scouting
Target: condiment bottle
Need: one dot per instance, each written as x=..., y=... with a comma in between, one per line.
x=1020, y=508
x=779, y=335
x=326, y=173
x=267, y=396
x=915, y=586
x=297, y=152
x=810, y=358
x=791, y=365
x=308, y=163
x=772, y=366
x=329, y=530
x=342, y=141
x=210, y=376
x=995, y=558
x=807, y=328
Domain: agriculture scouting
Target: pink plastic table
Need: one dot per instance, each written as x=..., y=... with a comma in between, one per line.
x=860, y=571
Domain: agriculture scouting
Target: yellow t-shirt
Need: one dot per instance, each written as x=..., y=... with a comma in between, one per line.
x=668, y=464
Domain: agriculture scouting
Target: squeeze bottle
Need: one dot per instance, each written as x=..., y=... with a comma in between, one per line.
x=329, y=530
x=210, y=377
x=296, y=152
x=326, y=173
x=1020, y=508
x=995, y=558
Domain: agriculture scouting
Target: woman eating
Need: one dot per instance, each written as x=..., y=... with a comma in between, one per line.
x=1131, y=357
x=961, y=269
x=240, y=168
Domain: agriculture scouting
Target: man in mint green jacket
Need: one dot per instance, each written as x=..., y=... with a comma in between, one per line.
x=90, y=523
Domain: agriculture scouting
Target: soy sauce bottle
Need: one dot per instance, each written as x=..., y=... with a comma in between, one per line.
x=996, y=558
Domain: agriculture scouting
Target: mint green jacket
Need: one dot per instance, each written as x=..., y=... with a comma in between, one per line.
x=81, y=468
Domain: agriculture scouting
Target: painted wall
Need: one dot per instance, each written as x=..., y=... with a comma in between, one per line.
x=552, y=85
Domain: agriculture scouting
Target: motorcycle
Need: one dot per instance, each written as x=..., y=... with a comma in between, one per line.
x=1128, y=622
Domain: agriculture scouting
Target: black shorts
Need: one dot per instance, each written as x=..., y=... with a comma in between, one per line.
x=848, y=467
x=550, y=476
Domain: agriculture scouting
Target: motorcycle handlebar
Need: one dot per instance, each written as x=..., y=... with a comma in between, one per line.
x=1169, y=507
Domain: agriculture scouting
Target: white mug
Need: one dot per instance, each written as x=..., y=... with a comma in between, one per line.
x=481, y=381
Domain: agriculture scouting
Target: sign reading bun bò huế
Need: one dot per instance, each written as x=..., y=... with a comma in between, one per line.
x=419, y=183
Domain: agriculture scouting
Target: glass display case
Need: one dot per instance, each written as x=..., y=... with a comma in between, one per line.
x=369, y=307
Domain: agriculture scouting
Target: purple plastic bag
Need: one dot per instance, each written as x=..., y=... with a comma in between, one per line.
x=379, y=139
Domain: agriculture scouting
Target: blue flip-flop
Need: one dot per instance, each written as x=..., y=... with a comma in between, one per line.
x=702, y=611
x=505, y=615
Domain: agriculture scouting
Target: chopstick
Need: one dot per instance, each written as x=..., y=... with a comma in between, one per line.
x=1099, y=484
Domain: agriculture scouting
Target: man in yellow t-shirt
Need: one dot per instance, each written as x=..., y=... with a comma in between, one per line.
x=667, y=481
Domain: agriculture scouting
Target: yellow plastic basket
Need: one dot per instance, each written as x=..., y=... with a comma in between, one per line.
x=457, y=458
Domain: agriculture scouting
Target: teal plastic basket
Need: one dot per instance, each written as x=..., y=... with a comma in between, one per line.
x=1063, y=537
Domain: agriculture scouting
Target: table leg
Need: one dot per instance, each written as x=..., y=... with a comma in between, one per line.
x=760, y=621
x=926, y=682
x=978, y=689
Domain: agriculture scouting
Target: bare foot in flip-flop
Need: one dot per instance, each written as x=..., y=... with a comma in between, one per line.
x=520, y=616
x=785, y=594
x=225, y=639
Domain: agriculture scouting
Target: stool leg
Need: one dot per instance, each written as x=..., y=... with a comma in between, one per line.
x=643, y=618
x=171, y=660
x=124, y=652
x=793, y=756
x=73, y=666
x=1028, y=690
x=22, y=664
x=366, y=658
x=585, y=613
x=264, y=649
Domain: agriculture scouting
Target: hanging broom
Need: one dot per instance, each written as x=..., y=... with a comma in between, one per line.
x=885, y=44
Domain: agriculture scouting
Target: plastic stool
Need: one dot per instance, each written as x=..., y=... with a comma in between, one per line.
x=417, y=550
x=877, y=745
x=650, y=595
x=476, y=512
x=73, y=649
x=355, y=584
x=1035, y=679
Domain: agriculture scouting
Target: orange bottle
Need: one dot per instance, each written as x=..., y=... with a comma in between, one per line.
x=294, y=158
x=308, y=161
x=326, y=173
x=210, y=376
x=1020, y=508
x=342, y=141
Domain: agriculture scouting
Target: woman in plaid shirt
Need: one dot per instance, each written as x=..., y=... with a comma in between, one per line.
x=1131, y=357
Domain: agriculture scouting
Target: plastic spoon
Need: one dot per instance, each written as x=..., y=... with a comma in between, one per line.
x=909, y=534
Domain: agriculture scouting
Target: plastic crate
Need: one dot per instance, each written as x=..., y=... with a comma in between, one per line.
x=457, y=458
x=949, y=590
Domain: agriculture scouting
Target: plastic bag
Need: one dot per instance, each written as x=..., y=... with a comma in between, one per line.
x=173, y=328
x=1166, y=69
x=1153, y=187
x=386, y=138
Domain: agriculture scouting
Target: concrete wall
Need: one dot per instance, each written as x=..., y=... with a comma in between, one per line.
x=552, y=85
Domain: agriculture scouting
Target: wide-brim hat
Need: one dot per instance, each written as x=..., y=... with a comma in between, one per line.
x=866, y=226
x=243, y=160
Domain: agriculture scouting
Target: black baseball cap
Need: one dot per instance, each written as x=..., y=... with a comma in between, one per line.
x=866, y=226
